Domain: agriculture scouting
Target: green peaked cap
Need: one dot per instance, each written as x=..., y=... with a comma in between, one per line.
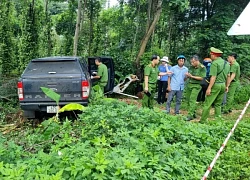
x=215, y=50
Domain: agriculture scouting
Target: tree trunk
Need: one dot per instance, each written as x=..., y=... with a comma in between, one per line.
x=148, y=34
x=82, y=13
x=150, y=3
x=136, y=32
x=203, y=14
x=77, y=30
x=91, y=27
x=170, y=31
x=48, y=29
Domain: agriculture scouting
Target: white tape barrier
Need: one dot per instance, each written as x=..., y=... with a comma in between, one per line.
x=224, y=143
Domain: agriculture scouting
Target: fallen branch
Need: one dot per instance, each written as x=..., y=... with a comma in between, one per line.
x=6, y=125
x=2, y=97
x=7, y=129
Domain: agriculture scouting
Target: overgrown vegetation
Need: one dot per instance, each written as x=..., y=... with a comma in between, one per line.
x=119, y=141
x=243, y=92
x=113, y=140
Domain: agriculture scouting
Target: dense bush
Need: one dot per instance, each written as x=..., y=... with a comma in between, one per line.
x=119, y=141
x=242, y=93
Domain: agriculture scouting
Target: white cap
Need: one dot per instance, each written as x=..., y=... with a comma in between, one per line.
x=165, y=59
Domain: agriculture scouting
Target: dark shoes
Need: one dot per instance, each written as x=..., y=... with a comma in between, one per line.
x=160, y=103
x=189, y=118
x=227, y=112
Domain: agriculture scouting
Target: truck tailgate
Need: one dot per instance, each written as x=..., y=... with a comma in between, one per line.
x=69, y=87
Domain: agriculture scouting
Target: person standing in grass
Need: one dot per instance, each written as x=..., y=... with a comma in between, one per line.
x=151, y=72
x=150, y=78
x=219, y=71
x=176, y=83
x=233, y=81
x=163, y=80
x=196, y=73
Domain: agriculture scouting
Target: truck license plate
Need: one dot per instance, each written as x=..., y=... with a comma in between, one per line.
x=52, y=109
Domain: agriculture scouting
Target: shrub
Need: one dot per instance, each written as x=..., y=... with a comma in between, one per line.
x=113, y=140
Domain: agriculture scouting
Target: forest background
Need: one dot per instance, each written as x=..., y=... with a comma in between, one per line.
x=130, y=32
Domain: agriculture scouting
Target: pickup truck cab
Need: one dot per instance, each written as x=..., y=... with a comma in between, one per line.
x=67, y=76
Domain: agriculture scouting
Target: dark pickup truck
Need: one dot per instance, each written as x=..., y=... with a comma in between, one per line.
x=67, y=76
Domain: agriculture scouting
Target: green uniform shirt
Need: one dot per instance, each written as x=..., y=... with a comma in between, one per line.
x=215, y=69
x=199, y=71
x=103, y=73
x=152, y=73
x=235, y=68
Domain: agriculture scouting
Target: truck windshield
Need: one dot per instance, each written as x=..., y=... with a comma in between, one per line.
x=58, y=67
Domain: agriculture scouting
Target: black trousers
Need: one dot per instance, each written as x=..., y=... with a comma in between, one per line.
x=162, y=89
x=201, y=95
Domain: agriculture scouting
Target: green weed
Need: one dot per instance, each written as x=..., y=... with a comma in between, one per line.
x=113, y=140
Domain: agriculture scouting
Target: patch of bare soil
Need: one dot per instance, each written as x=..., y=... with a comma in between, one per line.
x=131, y=101
x=184, y=112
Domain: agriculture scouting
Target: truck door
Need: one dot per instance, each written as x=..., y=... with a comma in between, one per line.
x=108, y=61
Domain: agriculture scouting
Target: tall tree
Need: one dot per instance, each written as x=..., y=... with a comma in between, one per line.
x=78, y=25
x=48, y=28
x=154, y=7
x=94, y=7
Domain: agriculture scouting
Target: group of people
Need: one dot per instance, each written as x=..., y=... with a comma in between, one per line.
x=223, y=80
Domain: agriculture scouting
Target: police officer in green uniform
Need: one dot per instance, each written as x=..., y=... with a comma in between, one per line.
x=219, y=72
x=151, y=72
x=102, y=74
x=196, y=73
x=233, y=81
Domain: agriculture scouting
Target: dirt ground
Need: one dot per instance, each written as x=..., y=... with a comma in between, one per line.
x=233, y=115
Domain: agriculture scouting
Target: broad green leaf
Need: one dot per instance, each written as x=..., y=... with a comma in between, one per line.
x=72, y=107
x=57, y=176
x=109, y=99
x=86, y=172
x=51, y=94
x=98, y=90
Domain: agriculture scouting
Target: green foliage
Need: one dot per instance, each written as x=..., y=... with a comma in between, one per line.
x=7, y=48
x=51, y=94
x=56, y=97
x=113, y=140
x=8, y=112
x=64, y=23
x=8, y=88
x=242, y=93
x=183, y=5
x=146, y=58
x=96, y=94
x=72, y=107
x=30, y=30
